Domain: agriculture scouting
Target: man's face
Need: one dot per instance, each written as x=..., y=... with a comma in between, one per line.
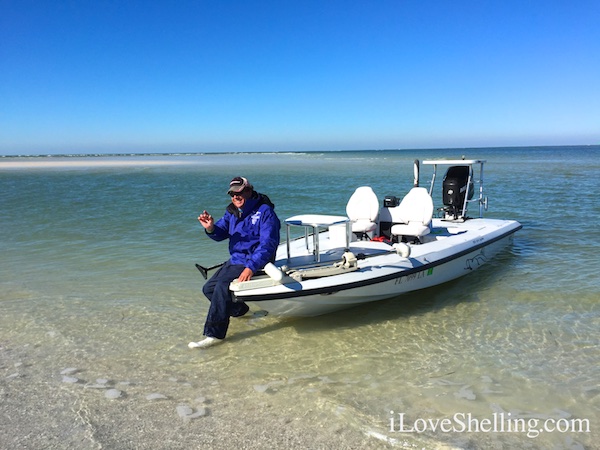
x=239, y=198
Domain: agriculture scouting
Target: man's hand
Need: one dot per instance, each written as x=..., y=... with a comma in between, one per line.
x=246, y=275
x=207, y=221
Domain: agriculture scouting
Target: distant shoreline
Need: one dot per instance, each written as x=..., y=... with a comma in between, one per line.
x=116, y=160
x=283, y=152
x=77, y=162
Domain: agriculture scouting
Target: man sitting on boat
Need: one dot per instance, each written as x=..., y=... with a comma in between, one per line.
x=252, y=227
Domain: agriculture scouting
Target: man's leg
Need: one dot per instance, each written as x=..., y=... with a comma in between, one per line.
x=238, y=309
x=221, y=305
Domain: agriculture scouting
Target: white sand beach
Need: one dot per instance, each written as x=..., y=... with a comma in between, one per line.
x=87, y=162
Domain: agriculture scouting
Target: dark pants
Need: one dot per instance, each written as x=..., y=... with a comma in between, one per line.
x=221, y=304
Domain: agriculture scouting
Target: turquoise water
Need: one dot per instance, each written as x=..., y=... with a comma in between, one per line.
x=97, y=274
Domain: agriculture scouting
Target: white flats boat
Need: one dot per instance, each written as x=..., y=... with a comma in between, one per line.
x=374, y=253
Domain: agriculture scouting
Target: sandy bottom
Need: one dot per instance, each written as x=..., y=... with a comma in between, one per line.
x=55, y=411
x=97, y=402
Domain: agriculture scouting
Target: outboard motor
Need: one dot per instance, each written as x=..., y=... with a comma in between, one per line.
x=455, y=188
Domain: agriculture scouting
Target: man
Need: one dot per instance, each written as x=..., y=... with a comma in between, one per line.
x=252, y=227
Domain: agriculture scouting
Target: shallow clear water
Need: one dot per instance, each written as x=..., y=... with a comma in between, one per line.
x=97, y=274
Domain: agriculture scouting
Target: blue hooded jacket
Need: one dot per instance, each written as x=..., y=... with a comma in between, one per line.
x=253, y=232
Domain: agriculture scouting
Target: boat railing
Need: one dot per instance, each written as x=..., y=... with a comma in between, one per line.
x=312, y=223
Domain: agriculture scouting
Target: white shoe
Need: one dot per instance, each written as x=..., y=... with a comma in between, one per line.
x=205, y=343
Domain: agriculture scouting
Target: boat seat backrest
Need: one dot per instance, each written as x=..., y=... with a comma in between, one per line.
x=414, y=214
x=416, y=206
x=362, y=209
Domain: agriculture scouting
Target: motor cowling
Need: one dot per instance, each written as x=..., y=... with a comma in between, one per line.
x=456, y=186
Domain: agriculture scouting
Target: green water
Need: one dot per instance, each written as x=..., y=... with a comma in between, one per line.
x=97, y=275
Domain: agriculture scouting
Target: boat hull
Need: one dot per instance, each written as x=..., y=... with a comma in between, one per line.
x=465, y=249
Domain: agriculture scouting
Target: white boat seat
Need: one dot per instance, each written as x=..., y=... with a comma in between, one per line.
x=362, y=210
x=414, y=214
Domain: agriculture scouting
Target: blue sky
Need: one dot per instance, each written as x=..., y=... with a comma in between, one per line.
x=168, y=76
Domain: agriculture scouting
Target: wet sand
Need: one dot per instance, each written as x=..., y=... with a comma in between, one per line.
x=47, y=405
x=62, y=418
x=46, y=412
